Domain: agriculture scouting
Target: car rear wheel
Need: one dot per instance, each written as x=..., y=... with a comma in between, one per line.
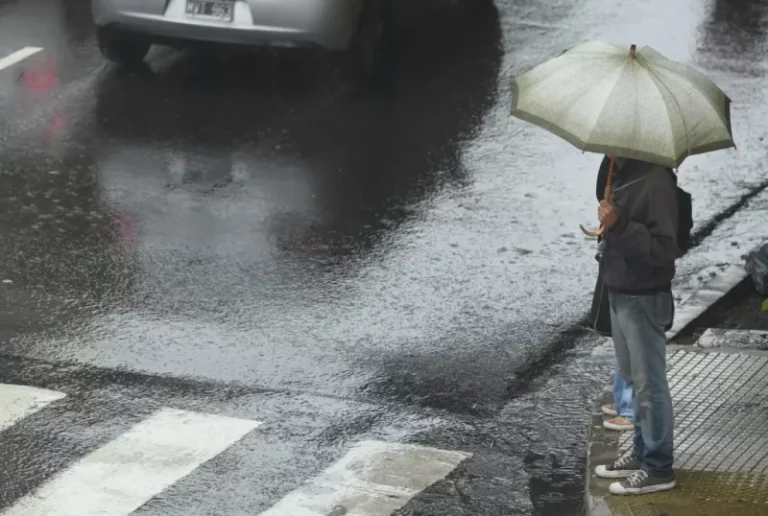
x=366, y=60
x=121, y=47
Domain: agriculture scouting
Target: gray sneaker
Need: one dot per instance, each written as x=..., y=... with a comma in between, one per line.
x=640, y=482
x=624, y=467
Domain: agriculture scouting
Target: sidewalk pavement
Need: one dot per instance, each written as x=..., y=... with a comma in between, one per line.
x=720, y=397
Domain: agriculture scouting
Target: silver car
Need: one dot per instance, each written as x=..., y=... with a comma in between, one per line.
x=357, y=29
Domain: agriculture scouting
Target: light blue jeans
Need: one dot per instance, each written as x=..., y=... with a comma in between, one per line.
x=622, y=394
x=637, y=327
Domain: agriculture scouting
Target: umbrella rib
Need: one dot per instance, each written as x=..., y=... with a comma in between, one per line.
x=565, y=65
x=656, y=83
x=585, y=142
x=689, y=70
x=597, y=119
x=548, y=123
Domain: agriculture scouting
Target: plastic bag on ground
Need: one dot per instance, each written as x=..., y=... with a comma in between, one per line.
x=757, y=267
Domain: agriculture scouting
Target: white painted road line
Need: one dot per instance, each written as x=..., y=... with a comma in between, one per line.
x=18, y=402
x=373, y=479
x=17, y=56
x=125, y=473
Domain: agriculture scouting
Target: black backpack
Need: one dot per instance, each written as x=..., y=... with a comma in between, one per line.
x=684, y=216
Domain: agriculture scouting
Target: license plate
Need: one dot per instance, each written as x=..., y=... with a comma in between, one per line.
x=215, y=10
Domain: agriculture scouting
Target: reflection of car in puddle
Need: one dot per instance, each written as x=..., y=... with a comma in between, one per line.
x=194, y=170
x=200, y=196
x=30, y=87
x=42, y=79
x=327, y=175
x=37, y=113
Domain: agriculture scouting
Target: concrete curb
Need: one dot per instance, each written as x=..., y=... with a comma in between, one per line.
x=737, y=339
x=690, y=308
x=598, y=452
x=596, y=506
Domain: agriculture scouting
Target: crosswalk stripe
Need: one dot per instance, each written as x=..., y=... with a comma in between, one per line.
x=19, y=401
x=374, y=479
x=125, y=473
x=17, y=56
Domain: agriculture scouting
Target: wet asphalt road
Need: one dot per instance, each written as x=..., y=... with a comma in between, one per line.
x=231, y=232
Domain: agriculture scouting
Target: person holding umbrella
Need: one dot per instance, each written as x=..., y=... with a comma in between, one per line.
x=637, y=268
x=647, y=114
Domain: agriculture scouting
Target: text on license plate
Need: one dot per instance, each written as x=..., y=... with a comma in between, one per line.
x=219, y=10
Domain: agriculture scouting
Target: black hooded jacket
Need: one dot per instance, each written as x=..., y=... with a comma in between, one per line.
x=640, y=249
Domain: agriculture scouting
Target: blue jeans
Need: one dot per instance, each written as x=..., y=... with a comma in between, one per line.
x=637, y=324
x=622, y=394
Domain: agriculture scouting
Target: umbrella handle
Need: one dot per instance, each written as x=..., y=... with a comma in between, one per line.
x=593, y=234
x=607, y=195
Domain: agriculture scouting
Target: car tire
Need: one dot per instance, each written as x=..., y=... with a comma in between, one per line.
x=369, y=55
x=121, y=47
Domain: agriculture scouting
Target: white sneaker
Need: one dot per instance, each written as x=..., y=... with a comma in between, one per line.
x=609, y=409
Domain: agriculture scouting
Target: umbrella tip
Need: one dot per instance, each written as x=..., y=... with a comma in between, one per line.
x=633, y=51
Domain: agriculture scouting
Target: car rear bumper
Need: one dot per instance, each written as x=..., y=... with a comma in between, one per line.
x=328, y=24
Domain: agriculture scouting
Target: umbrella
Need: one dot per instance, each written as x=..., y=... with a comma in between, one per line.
x=635, y=104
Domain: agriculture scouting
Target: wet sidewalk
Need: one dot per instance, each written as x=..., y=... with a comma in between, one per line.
x=720, y=397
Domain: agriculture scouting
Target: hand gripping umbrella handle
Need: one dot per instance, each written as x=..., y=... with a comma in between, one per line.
x=607, y=195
